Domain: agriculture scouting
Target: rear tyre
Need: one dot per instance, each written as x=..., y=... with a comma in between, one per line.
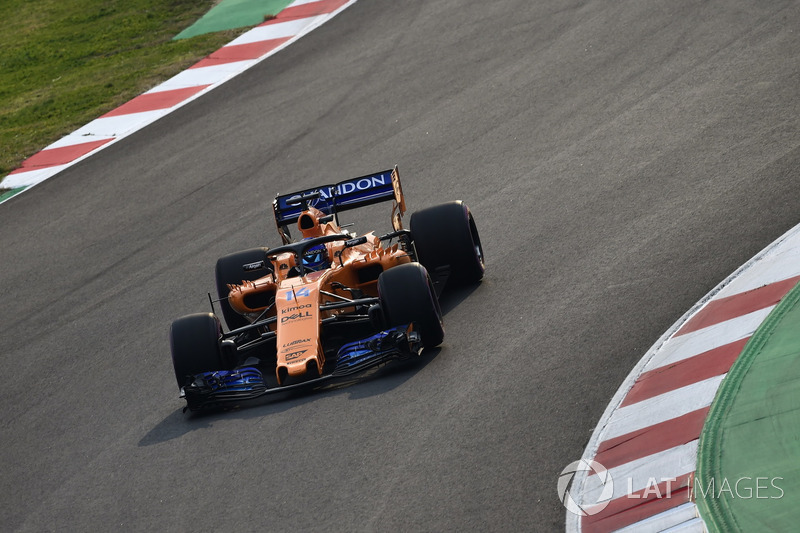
x=446, y=235
x=406, y=295
x=194, y=341
x=229, y=271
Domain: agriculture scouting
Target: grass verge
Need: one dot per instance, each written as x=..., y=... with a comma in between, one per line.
x=66, y=62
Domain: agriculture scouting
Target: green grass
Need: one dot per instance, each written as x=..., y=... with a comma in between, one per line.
x=63, y=63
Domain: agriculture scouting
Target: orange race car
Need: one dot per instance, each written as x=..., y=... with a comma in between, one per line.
x=330, y=303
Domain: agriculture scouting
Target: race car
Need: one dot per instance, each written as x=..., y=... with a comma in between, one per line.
x=330, y=303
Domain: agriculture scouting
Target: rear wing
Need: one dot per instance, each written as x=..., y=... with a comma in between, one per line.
x=343, y=196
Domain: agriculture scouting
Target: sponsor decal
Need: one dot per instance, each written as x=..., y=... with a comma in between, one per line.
x=249, y=267
x=364, y=184
x=348, y=187
x=298, y=341
x=295, y=308
x=305, y=315
x=294, y=355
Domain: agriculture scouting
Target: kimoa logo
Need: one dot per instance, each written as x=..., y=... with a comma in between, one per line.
x=295, y=308
x=565, y=489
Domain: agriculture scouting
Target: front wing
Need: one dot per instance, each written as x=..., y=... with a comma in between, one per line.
x=211, y=389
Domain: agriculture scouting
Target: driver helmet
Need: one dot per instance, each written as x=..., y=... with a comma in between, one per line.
x=316, y=258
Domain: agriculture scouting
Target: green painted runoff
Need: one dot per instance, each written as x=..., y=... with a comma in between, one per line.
x=230, y=14
x=748, y=471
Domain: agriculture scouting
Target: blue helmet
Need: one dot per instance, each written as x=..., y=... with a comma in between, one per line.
x=316, y=258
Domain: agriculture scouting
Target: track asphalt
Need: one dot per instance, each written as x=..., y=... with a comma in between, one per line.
x=756, y=411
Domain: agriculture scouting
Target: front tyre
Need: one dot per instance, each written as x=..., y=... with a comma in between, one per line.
x=406, y=295
x=194, y=341
x=446, y=235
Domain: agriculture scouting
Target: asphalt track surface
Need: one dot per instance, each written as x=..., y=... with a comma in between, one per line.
x=621, y=158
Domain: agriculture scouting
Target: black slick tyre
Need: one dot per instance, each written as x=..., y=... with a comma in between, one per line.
x=446, y=235
x=406, y=295
x=229, y=271
x=194, y=341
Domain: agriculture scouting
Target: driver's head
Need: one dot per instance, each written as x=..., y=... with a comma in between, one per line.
x=316, y=258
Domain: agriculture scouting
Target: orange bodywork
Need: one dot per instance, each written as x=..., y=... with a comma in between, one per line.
x=294, y=299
